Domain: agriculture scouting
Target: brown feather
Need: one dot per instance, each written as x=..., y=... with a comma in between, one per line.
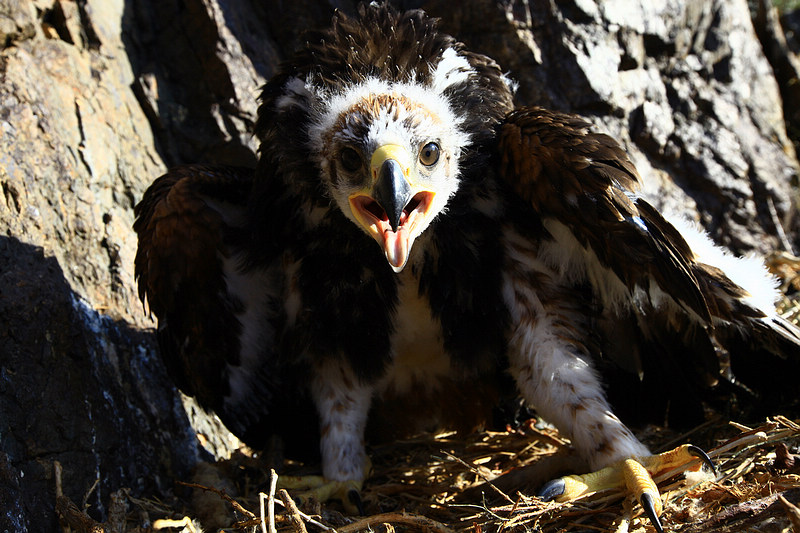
x=182, y=239
x=586, y=181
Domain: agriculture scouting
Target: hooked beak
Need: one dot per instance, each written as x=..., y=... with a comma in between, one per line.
x=394, y=209
x=392, y=191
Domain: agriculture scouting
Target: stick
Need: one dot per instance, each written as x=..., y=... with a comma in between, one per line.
x=792, y=511
x=288, y=503
x=183, y=523
x=236, y=505
x=738, y=517
x=483, y=477
x=245, y=524
x=273, y=482
x=778, y=226
x=411, y=520
x=69, y=515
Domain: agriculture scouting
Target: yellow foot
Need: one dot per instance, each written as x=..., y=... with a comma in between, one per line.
x=636, y=474
x=323, y=490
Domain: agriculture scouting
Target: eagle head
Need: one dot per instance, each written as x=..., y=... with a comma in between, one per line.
x=389, y=156
x=387, y=107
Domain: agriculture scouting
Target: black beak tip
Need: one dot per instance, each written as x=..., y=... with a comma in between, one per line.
x=392, y=191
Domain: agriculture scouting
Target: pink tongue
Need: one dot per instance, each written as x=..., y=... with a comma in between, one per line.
x=395, y=246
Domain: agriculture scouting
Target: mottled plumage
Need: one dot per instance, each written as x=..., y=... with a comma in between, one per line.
x=410, y=246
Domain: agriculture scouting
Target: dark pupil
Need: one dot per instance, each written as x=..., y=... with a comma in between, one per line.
x=350, y=159
x=430, y=154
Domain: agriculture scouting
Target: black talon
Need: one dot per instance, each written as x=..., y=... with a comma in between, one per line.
x=646, y=501
x=355, y=498
x=552, y=490
x=703, y=456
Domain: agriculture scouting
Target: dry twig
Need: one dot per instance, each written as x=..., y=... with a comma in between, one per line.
x=183, y=523
x=407, y=519
x=294, y=512
x=221, y=493
x=69, y=515
x=792, y=511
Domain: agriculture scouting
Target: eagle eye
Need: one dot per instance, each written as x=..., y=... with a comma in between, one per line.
x=350, y=159
x=429, y=154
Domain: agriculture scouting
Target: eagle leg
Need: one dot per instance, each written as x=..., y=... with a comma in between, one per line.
x=550, y=358
x=634, y=474
x=342, y=400
x=322, y=489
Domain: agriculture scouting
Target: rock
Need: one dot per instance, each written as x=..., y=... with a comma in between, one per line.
x=684, y=86
x=17, y=21
x=779, y=38
x=80, y=382
x=80, y=388
x=78, y=152
x=198, y=68
x=98, y=97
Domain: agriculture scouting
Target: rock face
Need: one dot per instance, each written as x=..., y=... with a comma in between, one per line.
x=684, y=85
x=80, y=388
x=97, y=97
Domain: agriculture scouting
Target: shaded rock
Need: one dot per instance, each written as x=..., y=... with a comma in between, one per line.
x=79, y=382
x=79, y=388
x=779, y=38
x=198, y=67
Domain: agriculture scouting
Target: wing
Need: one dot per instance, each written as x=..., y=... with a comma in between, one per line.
x=217, y=308
x=583, y=186
x=658, y=294
x=186, y=223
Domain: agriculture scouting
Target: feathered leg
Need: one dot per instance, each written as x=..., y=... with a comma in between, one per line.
x=343, y=402
x=551, y=365
x=551, y=362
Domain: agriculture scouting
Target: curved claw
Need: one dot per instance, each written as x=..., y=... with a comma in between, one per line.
x=703, y=456
x=649, y=507
x=552, y=489
x=634, y=473
x=640, y=483
x=354, y=497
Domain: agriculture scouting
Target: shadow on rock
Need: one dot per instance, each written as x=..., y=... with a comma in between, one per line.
x=78, y=388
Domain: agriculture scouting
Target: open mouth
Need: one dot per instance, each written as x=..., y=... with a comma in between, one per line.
x=396, y=242
x=375, y=214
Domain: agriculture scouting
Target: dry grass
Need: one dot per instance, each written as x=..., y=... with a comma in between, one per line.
x=439, y=484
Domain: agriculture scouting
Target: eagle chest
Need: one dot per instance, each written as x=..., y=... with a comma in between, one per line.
x=424, y=389
x=418, y=359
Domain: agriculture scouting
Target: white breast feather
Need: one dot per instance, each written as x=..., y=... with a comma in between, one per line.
x=253, y=289
x=419, y=356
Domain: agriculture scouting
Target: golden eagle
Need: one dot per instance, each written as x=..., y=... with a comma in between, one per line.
x=411, y=248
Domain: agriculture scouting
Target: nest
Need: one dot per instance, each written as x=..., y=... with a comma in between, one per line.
x=453, y=484
x=443, y=484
